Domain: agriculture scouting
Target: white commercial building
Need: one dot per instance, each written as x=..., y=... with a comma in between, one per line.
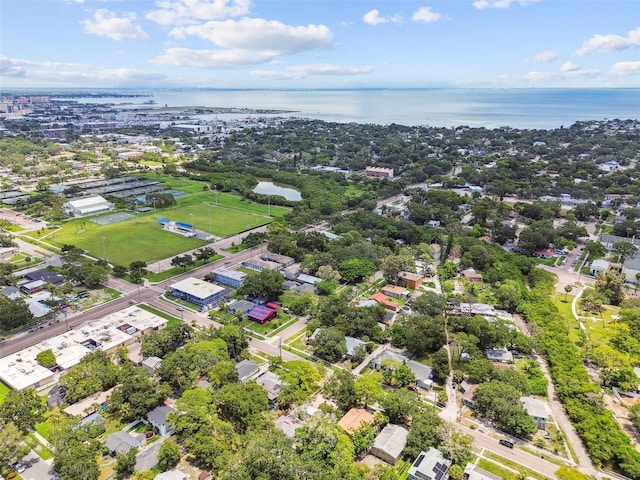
x=21, y=370
x=81, y=207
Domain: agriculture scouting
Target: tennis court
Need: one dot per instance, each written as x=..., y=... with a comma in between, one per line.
x=112, y=218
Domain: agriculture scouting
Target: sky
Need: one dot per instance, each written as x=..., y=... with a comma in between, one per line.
x=319, y=43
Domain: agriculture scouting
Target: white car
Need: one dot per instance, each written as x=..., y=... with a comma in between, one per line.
x=19, y=467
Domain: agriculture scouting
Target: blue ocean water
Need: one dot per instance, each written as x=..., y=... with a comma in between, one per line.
x=490, y=108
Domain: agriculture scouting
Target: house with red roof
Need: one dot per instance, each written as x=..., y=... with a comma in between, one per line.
x=382, y=299
x=262, y=314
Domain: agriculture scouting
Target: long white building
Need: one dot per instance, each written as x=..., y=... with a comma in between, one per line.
x=21, y=370
x=81, y=207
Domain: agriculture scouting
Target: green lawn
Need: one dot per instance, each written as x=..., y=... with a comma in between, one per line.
x=124, y=242
x=4, y=391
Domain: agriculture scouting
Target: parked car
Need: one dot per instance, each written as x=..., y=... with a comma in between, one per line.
x=506, y=443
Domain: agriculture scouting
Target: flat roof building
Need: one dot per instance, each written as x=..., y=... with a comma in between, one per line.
x=199, y=292
x=21, y=370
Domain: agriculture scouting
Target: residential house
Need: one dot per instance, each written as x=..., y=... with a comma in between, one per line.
x=11, y=292
x=598, y=265
x=310, y=279
x=471, y=275
x=423, y=374
x=430, y=465
x=241, y=306
x=545, y=253
x=272, y=384
x=158, y=419
x=246, y=369
x=172, y=475
x=410, y=280
x=33, y=287
x=260, y=265
x=390, y=443
x=282, y=260
x=501, y=355
x=148, y=458
x=395, y=291
x=432, y=223
x=354, y=418
x=151, y=364
x=122, y=442
x=353, y=344
x=262, y=314
x=47, y=276
x=378, y=361
x=467, y=389
x=87, y=405
x=379, y=172
x=537, y=409
x=471, y=309
x=382, y=299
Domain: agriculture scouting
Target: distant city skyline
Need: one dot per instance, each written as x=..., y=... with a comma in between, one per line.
x=319, y=44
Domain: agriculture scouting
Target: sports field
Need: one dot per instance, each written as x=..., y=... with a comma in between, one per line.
x=142, y=238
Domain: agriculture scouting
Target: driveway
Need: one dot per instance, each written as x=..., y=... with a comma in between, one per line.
x=37, y=469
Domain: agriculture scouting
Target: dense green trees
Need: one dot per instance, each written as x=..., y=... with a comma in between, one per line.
x=14, y=313
x=500, y=402
x=329, y=344
x=136, y=394
x=95, y=373
x=267, y=284
x=22, y=408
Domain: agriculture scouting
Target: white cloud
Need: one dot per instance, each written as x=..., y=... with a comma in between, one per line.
x=108, y=24
x=569, y=67
x=33, y=72
x=624, y=69
x=186, y=57
x=610, y=43
x=373, y=17
x=484, y=4
x=180, y=12
x=246, y=42
x=426, y=15
x=543, y=57
x=302, y=71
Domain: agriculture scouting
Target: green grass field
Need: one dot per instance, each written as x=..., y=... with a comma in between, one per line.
x=4, y=391
x=141, y=238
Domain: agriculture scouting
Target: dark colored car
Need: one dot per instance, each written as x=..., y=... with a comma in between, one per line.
x=506, y=443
